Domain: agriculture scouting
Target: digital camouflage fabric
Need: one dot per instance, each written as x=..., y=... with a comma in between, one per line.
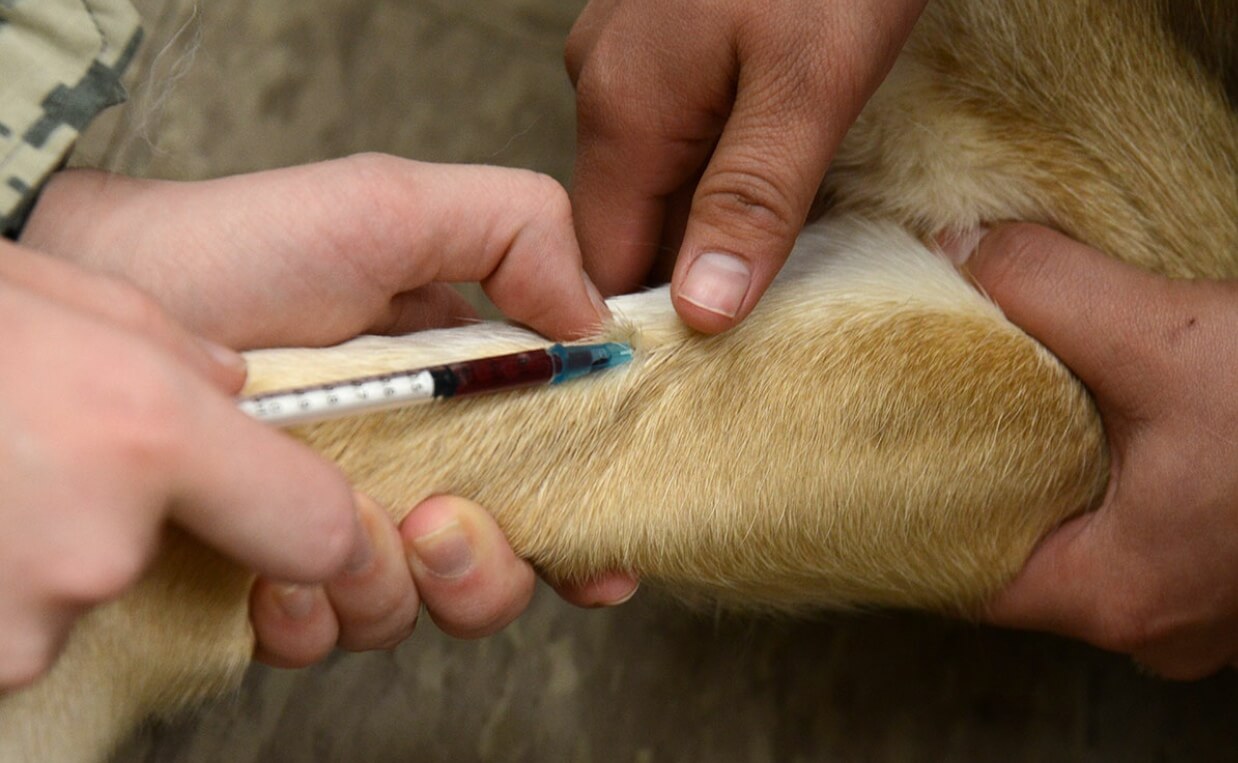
x=60, y=64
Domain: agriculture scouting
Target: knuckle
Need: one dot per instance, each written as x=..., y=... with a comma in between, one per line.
x=591, y=24
x=304, y=654
x=542, y=235
x=609, y=100
x=102, y=576
x=333, y=531
x=1025, y=254
x=471, y=625
x=1023, y=244
x=369, y=168
x=494, y=621
x=384, y=607
x=388, y=621
x=398, y=631
x=740, y=196
x=373, y=178
x=1126, y=627
x=369, y=176
x=148, y=412
x=385, y=637
x=556, y=204
x=388, y=191
x=368, y=163
x=485, y=609
x=576, y=50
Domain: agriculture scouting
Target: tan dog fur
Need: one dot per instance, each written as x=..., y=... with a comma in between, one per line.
x=876, y=434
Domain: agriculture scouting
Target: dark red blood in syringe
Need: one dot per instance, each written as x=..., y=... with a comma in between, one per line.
x=505, y=372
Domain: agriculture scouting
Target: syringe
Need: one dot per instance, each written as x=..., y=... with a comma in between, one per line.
x=552, y=365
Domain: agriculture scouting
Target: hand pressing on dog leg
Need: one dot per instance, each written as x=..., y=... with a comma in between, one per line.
x=448, y=554
x=706, y=128
x=1151, y=571
x=314, y=255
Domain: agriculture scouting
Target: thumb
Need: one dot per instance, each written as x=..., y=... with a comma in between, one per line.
x=750, y=203
x=1076, y=583
x=1093, y=312
x=1054, y=587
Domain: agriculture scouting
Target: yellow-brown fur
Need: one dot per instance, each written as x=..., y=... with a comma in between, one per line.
x=896, y=443
x=828, y=453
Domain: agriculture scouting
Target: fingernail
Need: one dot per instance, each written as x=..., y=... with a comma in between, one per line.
x=295, y=600
x=595, y=296
x=445, y=551
x=717, y=282
x=224, y=356
x=623, y=599
x=959, y=247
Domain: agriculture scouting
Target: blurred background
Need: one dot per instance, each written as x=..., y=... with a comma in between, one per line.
x=232, y=86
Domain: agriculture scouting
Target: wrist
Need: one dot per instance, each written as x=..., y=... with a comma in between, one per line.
x=67, y=206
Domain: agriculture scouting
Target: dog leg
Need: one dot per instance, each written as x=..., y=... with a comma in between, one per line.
x=877, y=434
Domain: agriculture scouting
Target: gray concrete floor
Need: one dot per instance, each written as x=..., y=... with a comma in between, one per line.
x=290, y=81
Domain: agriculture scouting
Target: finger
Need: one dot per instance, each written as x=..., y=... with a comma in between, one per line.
x=584, y=35
x=792, y=107
x=471, y=581
x=388, y=225
x=294, y=625
x=509, y=229
x=435, y=305
x=678, y=209
x=124, y=305
x=1095, y=313
x=1075, y=585
x=755, y=193
x=644, y=130
x=619, y=222
x=608, y=590
x=374, y=599
x=262, y=497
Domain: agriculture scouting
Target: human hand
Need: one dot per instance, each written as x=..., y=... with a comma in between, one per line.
x=1151, y=572
x=448, y=553
x=707, y=126
x=316, y=254
x=113, y=421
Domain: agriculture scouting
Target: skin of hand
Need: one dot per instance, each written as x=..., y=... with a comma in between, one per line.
x=114, y=420
x=705, y=127
x=1150, y=572
x=251, y=260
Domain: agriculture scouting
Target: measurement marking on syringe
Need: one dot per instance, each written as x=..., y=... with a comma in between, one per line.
x=356, y=396
x=551, y=365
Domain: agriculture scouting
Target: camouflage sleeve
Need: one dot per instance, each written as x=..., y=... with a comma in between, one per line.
x=61, y=63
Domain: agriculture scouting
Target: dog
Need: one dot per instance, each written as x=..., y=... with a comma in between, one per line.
x=875, y=434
